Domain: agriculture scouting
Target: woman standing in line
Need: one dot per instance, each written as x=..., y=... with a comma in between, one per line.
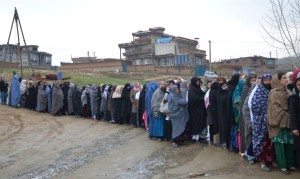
x=279, y=123
x=178, y=114
x=294, y=106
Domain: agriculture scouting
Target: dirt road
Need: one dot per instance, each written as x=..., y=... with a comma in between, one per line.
x=37, y=145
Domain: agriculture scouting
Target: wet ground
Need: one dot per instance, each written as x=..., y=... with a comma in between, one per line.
x=37, y=145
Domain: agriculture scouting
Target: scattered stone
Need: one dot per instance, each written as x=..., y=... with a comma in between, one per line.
x=196, y=174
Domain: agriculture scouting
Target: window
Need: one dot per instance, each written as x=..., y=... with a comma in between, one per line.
x=165, y=61
x=270, y=62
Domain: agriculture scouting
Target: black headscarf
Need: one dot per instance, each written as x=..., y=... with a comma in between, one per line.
x=126, y=92
x=234, y=80
x=194, y=85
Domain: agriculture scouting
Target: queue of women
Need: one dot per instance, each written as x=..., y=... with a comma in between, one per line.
x=257, y=117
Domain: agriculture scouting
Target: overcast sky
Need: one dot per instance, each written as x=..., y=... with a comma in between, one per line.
x=74, y=27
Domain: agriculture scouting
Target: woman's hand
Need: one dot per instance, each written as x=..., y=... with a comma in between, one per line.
x=295, y=132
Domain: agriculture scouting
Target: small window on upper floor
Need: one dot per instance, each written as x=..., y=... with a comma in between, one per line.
x=270, y=62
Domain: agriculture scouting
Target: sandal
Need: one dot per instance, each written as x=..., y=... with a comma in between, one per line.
x=293, y=169
x=285, y=172
x=265, y=169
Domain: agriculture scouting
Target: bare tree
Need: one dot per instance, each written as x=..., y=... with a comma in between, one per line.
x=281, y=25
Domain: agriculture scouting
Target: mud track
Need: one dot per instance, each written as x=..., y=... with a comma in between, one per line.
x=39, y=145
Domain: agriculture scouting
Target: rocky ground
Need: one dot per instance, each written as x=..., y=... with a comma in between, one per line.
x=38, y=145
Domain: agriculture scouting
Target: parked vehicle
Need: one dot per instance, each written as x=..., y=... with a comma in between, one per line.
x=210, y=74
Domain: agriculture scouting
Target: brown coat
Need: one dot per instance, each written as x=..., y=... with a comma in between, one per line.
x=134, y=101
x=278, y=114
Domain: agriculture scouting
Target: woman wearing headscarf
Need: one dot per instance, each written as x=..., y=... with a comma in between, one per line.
x=236, y=105
x=196, y=109
x=134, y=102
x=65, y=89
x=208, y=85
x=262, y=148
x=14, y=95
x=30, y=96
x=178, y=114
x=212, y=111
x=23, y=91
x=93, y=101
x=141, y=104
x=70, y=99
x=251, y=79
x=49, y=97
x=232, y=84
x=84, y=100
x=158, y=119
x=99, y=91
x=77, y=98
x=125, y=104
x=294, y=106
x=295, y=74
x=290, y=85
x=184, y=88
x=223, y=115
x=41, y=98
x=279, y=123
x=117, y=103
x=104, y=103
x=247, y=122
x=57, y=100
x=151, y=88
x=111, y=104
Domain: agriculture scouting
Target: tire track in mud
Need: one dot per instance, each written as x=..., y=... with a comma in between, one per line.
x=15, y=126
x=160, y=161
x=54, y=128
x=68, y=161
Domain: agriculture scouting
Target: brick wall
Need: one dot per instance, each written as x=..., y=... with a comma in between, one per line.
x=104, y=64
x=8, y=65
x=161, y=70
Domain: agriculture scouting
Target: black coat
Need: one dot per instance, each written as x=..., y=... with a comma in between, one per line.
x=213, y=107
x=31, y=98
x=294, y=106
x=125, y=102
x=223, y=116
x=141, y=105
x=196, y=108
x=77, y=101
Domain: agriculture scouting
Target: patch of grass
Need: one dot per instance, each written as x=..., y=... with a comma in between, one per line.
x=84, y=78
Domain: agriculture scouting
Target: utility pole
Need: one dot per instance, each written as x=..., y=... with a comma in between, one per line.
x=209, y=55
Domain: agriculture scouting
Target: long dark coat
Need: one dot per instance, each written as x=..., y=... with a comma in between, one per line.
x=196, y=108
x=77, y=101
x=294, y=106
x=125, y=102
x=30, y=100
x=141, y=105
x=213, y=107
x=223, y=115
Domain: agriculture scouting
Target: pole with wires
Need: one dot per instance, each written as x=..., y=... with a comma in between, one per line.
x=16, y=20
x=209, y=55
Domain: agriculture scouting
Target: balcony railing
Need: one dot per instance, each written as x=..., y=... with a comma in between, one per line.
x=142, y=51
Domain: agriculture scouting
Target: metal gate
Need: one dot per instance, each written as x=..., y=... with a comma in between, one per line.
x=199, y=70
x=124, y=67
